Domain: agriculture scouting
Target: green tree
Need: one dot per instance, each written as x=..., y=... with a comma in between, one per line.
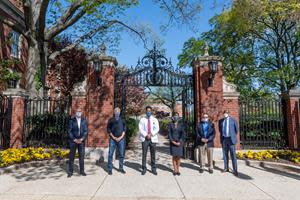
x=259, y=41
x=88, y=21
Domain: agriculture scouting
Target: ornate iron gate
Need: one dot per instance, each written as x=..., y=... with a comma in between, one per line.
x=262, y=124
x=5, y=121
x=155, y=70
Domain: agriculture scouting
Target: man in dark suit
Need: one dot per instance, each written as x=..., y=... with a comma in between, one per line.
x=77, y=134
x=205, y=142
x=228, y=128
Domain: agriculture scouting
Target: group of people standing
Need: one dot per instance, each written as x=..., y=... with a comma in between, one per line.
x=148, y=135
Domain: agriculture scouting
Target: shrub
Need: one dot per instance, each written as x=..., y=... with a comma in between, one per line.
x=164, y=124
x=132, y=128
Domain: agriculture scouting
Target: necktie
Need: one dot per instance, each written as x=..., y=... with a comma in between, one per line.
x=149, y=126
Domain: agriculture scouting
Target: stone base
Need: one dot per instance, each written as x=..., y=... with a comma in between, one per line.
x=97, y=153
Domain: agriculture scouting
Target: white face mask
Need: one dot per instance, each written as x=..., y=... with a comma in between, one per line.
x=226, y=115
x=78, y=114
x=205, y=119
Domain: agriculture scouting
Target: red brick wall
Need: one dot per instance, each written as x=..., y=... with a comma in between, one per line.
x=293, y=123
x=17, y=123
x=209, y=99
x=79, y=102
x=100, y=105
x=5, y=50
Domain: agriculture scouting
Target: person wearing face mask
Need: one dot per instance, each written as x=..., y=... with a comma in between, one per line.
x=205, y=131
x=228, y=134
x=116, y=129
x=176, y=137
x=148, y=128
x=77, y=131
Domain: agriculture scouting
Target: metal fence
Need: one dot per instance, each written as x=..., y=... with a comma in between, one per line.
x=5, y=121
x=46, y=122
x=262, y=124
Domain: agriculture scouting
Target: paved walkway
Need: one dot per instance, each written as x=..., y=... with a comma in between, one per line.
x=51, y=182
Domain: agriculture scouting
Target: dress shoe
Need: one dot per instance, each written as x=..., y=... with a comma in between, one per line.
x=154, y=171
x=82, y=173
x=174, y=173
x=210, y=171
x=69, y=175
x=110, y=172
x=143, y=172
x=178, y=173
x=122, y=171
x=201, y=170
x=236, y=173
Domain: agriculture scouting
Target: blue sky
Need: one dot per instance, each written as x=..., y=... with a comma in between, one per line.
x=149, y=13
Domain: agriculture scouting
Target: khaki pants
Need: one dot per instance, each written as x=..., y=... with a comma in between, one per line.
x=203, y=152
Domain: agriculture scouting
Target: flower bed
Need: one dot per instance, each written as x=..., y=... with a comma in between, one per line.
x=271, y=155
x=13, y=156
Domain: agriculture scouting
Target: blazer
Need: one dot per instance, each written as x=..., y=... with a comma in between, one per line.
x=143, y=129
x=233, y=130
x=74, y=129
x=176, y=134
x=200, y=134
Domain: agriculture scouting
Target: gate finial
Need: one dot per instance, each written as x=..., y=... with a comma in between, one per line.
x=206, y=49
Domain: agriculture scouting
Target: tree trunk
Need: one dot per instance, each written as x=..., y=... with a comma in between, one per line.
x=34, y=62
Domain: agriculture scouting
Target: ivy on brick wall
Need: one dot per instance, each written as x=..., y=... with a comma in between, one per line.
x=6, y=74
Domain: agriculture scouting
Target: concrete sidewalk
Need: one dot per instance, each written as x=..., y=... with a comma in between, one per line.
x=51, y=182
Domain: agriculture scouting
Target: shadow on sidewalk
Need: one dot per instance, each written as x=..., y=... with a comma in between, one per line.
x=275, y=171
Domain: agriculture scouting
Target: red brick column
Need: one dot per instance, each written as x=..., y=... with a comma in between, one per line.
x=208, y=99
x=17, y=114
x=100, y=101
x=293, y=118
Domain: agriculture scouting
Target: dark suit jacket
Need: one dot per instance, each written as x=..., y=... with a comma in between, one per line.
x=73, y=129
x=210, y=136
x=233, y=130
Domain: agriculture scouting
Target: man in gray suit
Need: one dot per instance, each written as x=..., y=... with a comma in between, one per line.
x=228, y=134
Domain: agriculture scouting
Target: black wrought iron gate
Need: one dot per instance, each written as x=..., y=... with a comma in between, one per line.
x=5, y=121
x=152, y=70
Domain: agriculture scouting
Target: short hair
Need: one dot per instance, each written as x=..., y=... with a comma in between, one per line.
x=148, y=107
x=205, y=114
x=175, y=113
x=226, y=111
x=117, y=109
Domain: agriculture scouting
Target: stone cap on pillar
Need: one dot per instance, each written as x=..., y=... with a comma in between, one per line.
x=294, y=94
x=202, y=61
x=16, y=92
x=107, y=61
x=230, y=90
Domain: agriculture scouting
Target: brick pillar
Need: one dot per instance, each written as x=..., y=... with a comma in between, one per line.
x=216, y=98
x=208, y=99
x=100, y=100
x=17, y=114
x=79, y=98
x=292, y=121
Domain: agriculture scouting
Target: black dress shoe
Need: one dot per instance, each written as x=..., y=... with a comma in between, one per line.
x=178, y=173
x=201, y=170
x=236, y=173
x=210, y=171
x=82, y=173
x=154, y=172
x=174, y=173
x=69, y=175
x=225, y=170
x=122, y=171
x=143, y=172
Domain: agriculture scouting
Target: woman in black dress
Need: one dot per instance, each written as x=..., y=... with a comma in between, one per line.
x=176, y=136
